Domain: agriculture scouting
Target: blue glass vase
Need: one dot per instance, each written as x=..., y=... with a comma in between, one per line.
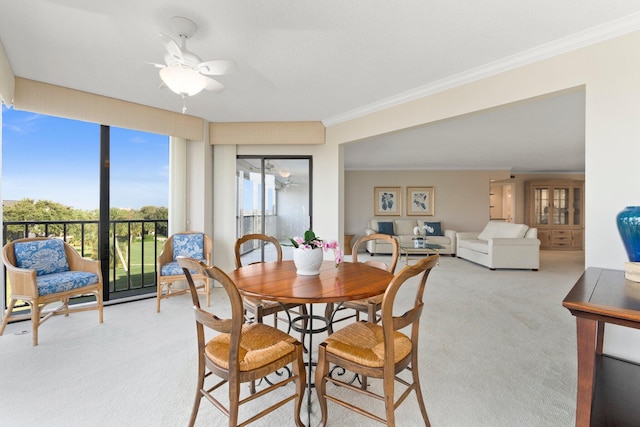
x=628, y=221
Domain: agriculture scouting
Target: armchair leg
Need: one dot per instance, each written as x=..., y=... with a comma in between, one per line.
x=35, y=322
x=100, y=302
x=207, y=289
x=7, y=313
x=158, y=296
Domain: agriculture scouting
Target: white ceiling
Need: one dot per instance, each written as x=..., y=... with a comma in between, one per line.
x=545, y=134
x=331, y=60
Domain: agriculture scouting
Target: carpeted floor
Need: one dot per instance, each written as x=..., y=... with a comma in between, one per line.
x=497, y=349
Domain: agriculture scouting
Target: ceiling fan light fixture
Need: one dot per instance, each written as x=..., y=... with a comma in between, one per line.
x=284, y=173
x=183, y=80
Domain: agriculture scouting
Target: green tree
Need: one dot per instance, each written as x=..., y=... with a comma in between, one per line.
x=155, y=212
x=29, y=210
x=43, y=210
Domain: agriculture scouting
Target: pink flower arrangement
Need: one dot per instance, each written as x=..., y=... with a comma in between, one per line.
x=311, y=241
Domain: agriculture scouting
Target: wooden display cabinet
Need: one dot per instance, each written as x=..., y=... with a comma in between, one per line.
x=556, y=209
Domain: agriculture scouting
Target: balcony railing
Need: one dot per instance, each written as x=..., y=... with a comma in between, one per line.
x=133, y=248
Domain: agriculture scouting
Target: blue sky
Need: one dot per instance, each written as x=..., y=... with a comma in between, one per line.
x=49, y=158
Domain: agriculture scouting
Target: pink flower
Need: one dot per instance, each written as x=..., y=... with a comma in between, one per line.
x=331, y=244
x=337, y=252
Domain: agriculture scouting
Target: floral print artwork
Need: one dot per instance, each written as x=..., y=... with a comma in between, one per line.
x=387, y=201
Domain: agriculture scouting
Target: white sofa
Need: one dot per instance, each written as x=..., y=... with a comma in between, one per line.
x=403, y=230
x=501, y=245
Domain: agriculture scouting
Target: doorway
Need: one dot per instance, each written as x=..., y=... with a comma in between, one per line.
x=273, y=198
x=501, y=201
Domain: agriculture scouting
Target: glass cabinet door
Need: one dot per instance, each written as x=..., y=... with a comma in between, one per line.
x=541, y=205
x=561, y=206
x=577, y=204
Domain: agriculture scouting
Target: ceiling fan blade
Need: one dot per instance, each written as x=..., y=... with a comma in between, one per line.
x=213, y=85
x=155, y=64
x=218, y=67
x=172, y=47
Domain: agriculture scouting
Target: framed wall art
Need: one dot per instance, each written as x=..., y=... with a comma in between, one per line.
x=387, y=201
x=420, y=201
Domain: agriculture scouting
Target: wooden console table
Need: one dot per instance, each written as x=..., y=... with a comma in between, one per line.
x=608, y=388
x=347, y=243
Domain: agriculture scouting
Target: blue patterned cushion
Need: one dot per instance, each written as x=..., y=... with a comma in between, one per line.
x=43, y=256
x=385, y=228
x=174, y=269
x=59, y=282
x=189, y=245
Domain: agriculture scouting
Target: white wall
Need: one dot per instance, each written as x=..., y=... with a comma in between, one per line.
x=612, y=135
x=224, y=205
x=199, y=207
x=461, y=199
x=3, y=300
x=7, y=79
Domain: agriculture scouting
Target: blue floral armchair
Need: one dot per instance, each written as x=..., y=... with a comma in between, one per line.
x=42, y=271
x=191, y=244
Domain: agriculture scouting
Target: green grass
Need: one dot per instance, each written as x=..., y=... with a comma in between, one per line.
x=136, y=265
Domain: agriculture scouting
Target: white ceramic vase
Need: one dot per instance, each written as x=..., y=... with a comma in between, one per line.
x=307, y=261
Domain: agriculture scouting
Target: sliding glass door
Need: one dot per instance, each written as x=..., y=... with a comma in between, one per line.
x=273, y=198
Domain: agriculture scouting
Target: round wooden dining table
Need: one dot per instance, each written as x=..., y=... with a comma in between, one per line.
x=278, y=281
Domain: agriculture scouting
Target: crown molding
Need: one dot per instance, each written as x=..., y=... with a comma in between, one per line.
x=575, y=41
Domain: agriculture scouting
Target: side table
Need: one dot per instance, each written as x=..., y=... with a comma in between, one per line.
x=608, y=388
x=347, y=243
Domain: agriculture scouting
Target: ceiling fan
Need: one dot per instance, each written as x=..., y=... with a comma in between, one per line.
x=287, y=183
x=183, y=71
x=271, y=168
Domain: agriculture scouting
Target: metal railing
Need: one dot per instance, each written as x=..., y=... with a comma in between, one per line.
x=134, y=246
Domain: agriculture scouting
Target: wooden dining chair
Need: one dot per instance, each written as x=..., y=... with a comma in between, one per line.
x=370, y=306
x=241, y=353
x=378, y=351
x=193, y=244
x=257, y=307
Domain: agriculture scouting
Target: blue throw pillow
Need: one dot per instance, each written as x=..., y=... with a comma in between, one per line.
x=385, y=228
x=432, y=229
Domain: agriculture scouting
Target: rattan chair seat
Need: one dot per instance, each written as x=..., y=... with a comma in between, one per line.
x=260, y=345
x=254, y=303
x=363, y=343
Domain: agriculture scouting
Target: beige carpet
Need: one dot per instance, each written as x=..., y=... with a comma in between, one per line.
x=497, y=349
